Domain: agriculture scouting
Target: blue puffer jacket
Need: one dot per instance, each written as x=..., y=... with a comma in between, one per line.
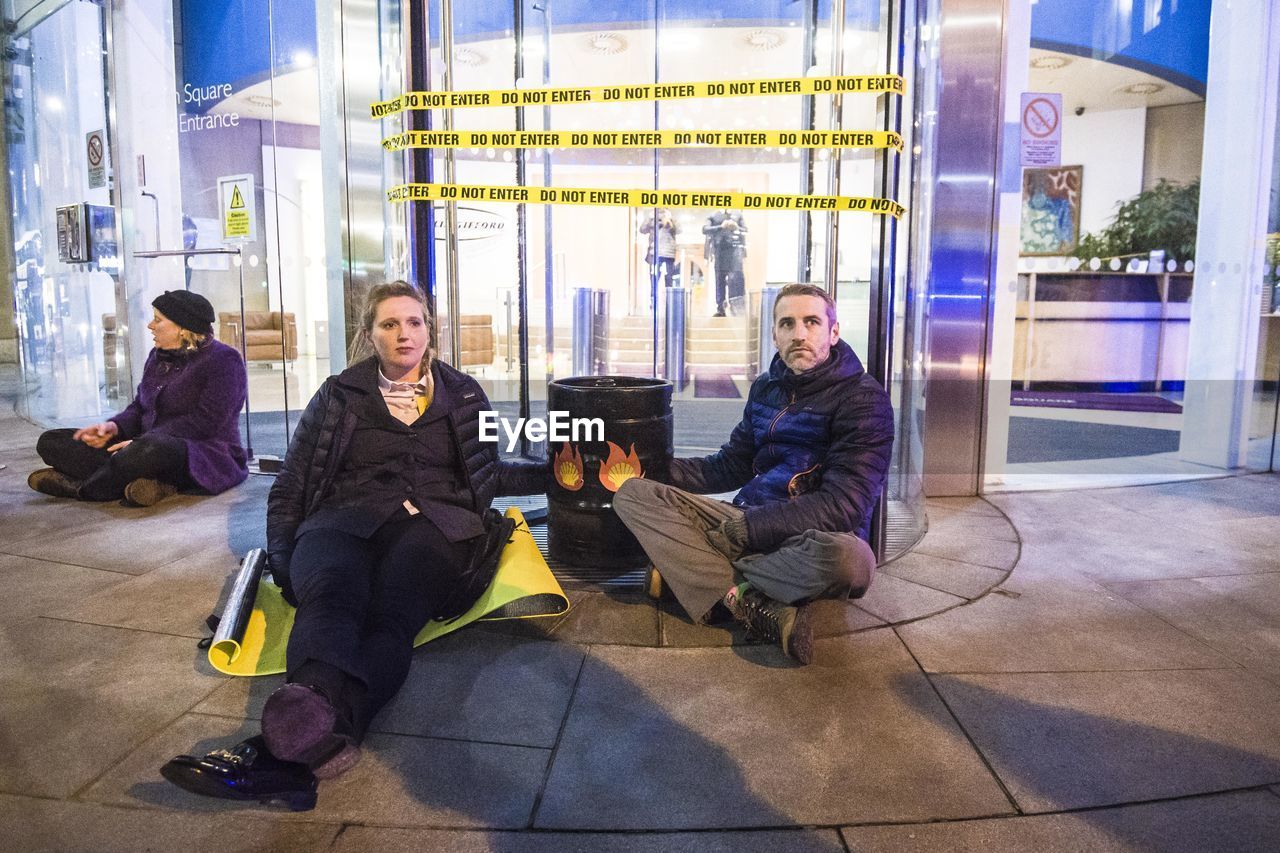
x=811, y=452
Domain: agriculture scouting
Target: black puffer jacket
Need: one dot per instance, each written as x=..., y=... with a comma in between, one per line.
x=811, y=452
x=323, y=435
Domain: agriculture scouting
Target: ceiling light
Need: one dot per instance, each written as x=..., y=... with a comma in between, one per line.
x=763, y=39
x=1050, y=62
x=468, y=56
x=606, y=43
x=1142, y=88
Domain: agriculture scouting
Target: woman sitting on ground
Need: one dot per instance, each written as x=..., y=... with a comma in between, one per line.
x=180, y=432
x=378, y=522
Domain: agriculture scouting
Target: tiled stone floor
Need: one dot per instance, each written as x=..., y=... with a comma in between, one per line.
x=1052, y=671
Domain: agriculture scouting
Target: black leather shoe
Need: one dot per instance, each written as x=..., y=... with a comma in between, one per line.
x=247, y=771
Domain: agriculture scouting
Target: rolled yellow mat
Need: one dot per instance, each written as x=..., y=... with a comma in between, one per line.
x=523, y=588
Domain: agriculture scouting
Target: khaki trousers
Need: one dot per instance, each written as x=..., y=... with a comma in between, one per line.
x=671, y=525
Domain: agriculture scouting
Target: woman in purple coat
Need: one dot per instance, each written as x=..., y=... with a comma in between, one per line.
x=180, y=432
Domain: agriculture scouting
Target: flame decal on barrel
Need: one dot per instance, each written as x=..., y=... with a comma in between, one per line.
x=568, y=468
x=619, y=467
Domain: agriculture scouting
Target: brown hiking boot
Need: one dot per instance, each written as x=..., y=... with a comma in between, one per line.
x=144, y=492
x=655, y=587
x=47, y=481
x=770, y=619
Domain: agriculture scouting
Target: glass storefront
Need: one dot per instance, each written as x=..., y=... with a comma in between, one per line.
x=198, y=100
x=148, y=119
x=676, y=293
x=1099, y=345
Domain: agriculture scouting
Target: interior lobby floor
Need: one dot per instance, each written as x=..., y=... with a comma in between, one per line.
x=1081, y=670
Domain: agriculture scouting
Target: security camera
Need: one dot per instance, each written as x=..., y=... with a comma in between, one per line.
x=1079, y=111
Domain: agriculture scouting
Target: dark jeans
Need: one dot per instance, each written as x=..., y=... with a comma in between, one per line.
x=729, y=283
x=154, y=457
x=666, y=271
x=360, y=604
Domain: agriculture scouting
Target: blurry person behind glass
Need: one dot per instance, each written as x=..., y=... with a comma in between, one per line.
x=661, y=253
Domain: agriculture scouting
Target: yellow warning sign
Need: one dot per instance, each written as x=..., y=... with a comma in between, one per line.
x=644, y=139
x=236, y=203
x=874, y=84
x=644, y=198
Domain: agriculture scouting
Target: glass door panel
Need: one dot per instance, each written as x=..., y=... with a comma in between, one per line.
x=56, y=105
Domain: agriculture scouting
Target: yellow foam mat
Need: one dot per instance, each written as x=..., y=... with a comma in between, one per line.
x=523, y=588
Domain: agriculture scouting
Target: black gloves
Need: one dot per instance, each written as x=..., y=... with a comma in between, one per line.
x=729, y=537
x=279, y=565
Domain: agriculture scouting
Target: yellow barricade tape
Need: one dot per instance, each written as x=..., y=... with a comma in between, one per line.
x=643, y=198
x=861, y=84
x=644, y=139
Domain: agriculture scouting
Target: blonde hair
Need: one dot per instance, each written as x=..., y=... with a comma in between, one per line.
x=362, y=344
x=190, y=341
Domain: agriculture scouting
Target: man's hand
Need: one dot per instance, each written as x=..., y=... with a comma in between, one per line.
x=729, y=538
x=97, y=435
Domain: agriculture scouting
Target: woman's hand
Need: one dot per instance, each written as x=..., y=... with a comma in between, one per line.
x=120, y=445
x=97, y=435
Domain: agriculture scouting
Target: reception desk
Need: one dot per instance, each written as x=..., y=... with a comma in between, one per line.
x=1101, y=331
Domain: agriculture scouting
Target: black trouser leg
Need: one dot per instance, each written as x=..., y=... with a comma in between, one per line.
x=154, y=457
x=722, y=281
x=66, y=455
x=667, y=271
x=331, y=573
x=360, y=604
x=417, y=564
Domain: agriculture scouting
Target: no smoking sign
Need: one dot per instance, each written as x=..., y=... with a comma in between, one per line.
x=1041, y=131
x=95, y=152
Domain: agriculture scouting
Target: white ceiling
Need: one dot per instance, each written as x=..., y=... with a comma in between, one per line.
x=688, y=54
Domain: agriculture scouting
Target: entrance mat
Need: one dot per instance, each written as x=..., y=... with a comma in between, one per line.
x=1044, y=440
x=1096, y=400
x=523, y=588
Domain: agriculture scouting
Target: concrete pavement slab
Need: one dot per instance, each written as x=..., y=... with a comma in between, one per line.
x=1201, y=500
x=896, y=600
x=462, y=686
x=1073, y=740
x=1249, y=534
x=133, y=540
x=359, y=838
x=77, y=698
x=951, y=576
x=627, y=618
x=473, y=686
x=1035, y=623
x=1147, y=553
x=1237, y=615
x=1075, y=518
x=993, y=553
x=400, y=781
x=175, y=598
x=736, y=738
x=1244, y=822
x=976, y=505
x=51, y=826
x=34, y=588
x=979, y=525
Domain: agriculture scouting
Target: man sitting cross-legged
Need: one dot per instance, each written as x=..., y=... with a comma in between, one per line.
x=809, y=457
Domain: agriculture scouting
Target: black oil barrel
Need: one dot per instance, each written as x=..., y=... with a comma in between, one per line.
x=582, y=528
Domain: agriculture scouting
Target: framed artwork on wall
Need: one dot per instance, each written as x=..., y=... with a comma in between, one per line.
x=1051, y=210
